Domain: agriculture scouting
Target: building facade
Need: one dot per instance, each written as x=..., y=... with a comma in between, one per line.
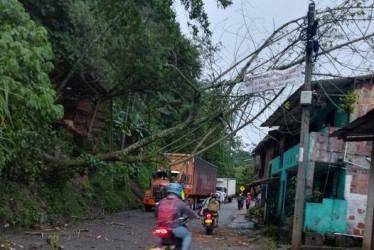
x=337, y=172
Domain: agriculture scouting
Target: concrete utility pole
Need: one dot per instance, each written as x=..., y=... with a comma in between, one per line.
x=368, y=241
x=305, y=101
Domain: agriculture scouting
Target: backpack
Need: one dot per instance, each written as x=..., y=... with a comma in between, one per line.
x=213, y=205
x=166, y=212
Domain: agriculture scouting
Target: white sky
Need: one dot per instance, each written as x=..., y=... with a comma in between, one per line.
x=231, y=27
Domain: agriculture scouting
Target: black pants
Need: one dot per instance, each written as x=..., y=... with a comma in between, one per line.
x=240, y=204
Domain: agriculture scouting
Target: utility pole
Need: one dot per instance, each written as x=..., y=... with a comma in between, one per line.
x=305, y=102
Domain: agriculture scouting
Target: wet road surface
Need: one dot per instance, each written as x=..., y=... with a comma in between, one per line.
x=130, y=230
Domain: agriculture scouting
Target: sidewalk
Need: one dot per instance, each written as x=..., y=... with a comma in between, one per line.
x=240, y=223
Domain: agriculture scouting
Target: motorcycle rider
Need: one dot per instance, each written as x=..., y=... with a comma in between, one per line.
x=182, y=195
x=174, y=197
x=211, y=204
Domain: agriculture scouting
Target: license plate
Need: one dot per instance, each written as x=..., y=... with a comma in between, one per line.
x=208, y=221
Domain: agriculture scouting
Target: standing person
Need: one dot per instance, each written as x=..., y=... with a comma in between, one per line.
x=248, y=200
x=170, y=209
x=240, y=201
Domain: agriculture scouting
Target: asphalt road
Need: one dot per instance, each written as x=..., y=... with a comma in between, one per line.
x=126, y=230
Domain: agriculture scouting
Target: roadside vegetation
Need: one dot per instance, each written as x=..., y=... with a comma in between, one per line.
x=142, y=68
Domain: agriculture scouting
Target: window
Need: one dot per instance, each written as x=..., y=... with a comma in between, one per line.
x=330, y=119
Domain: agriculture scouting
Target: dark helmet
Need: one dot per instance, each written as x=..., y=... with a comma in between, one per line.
x=175, y=188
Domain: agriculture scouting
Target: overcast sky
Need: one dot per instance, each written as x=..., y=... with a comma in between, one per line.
x=231, y=27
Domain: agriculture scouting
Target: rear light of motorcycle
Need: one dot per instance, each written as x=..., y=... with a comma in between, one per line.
x=208, y=216
x=160, y=231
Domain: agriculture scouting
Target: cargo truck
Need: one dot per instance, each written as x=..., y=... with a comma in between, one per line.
x=228, y=186
x=197, y=177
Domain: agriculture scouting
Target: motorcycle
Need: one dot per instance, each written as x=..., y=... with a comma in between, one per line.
x=209, y=222
x=167, y=238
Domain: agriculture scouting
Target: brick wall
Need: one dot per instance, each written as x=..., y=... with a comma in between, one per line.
x=356, y=197
x=364, y=103
x=357, y=181
x=360, y=182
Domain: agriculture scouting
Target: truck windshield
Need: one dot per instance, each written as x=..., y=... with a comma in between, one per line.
x=161, y=175
x=222, y=189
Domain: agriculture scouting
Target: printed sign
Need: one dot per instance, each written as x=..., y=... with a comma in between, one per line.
x=273, y=79
x=242, y=188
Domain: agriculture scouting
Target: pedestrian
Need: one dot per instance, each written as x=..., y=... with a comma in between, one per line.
x=240, y=201
x=248, y=200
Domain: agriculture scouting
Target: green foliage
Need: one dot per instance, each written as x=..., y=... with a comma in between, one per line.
x=348, y=102
x=136, y=52
x=197, y=12
x=54, y=240
x=62, y=201
x=316, y=195
x=290, y=196
x=18, y=207
x=255, y=213
x=130, y=42
x=26, y=95
x=109, y=187
x=286, y=105
x=143, y=178
x=245, y=173
x=272, y=231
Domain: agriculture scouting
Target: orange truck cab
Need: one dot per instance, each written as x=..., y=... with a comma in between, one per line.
x=197, y=177
x=156, y=192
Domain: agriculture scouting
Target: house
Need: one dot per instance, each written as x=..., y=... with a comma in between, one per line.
x=336, y=172
x=362, y=129
x=83, y=115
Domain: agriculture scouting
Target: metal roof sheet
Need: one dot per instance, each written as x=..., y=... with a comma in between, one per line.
x=323, y=88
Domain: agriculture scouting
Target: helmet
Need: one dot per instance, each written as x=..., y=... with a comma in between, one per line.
x=174, y=188
x=215, y=196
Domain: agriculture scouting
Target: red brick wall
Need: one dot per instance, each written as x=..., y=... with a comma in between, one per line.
x=364, y=103
x=360, y=182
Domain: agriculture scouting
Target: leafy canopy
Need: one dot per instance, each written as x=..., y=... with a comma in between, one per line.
x=27, y=98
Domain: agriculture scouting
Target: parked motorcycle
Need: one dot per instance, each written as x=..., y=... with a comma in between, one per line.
x=167, y=238
x=209, y=222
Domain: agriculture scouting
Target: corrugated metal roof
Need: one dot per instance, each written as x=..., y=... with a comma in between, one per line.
x=270, y=138
x=283, y=117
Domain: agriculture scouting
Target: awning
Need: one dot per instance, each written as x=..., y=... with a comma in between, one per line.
x=263, y=181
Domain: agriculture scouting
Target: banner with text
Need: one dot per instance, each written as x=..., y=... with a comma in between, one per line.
x=273, y=79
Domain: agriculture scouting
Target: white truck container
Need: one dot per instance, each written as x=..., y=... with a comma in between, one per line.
x=228, y=186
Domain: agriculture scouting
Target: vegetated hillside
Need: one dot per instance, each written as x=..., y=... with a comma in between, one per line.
x=82, y=197
x=131, y=63
x=31, y=191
